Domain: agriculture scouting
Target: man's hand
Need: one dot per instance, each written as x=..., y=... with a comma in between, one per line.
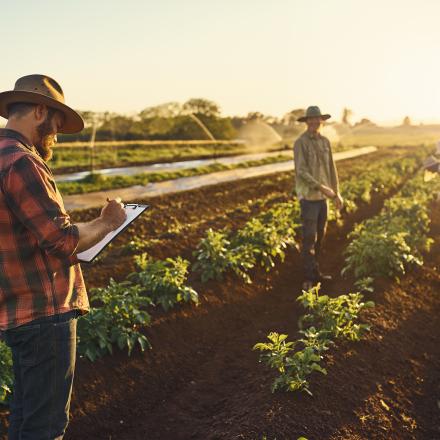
x=328, y=192
x=113, y=214
x=339, y=202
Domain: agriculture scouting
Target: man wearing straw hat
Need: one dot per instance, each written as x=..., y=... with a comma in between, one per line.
x=316, y=182
x=42, y=290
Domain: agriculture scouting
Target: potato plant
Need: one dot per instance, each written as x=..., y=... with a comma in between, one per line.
x=334, y=317
x=387, y=244
x=117, y=320
x=262, y=240
x=6, y=373
x=214, y=256
x=328, y=319
x=163, y=281
x=265, y=238
x=293, y=366
x=378, y=177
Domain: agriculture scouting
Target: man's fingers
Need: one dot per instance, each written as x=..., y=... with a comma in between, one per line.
x=117, y=200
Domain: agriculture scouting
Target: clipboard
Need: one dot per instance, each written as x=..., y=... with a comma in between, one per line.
x=133, y=211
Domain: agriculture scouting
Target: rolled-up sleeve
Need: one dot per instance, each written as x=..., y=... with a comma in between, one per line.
x=31, y=195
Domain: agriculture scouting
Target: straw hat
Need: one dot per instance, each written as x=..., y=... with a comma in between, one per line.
x=41, y=89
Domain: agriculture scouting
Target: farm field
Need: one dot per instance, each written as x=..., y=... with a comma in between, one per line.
x=202, y=380
x=128, y=177
x=77, y=156
x=99, y=182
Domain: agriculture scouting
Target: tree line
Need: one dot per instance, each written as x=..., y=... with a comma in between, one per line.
x=175, y=121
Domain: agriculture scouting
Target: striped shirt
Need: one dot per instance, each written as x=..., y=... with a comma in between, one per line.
x=39, y=272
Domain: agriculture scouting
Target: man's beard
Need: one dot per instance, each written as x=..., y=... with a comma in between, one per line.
x=46, y=139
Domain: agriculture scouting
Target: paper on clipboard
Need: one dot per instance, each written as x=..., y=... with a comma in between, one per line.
x=133, y=211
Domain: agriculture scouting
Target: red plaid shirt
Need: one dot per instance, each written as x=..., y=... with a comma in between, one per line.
x=39, y=272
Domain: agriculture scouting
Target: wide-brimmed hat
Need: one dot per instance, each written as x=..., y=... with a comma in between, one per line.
x=40, y=89
x=313, y=112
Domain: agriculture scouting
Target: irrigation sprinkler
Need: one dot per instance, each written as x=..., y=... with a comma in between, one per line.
x=92, y=146
x=206, y=131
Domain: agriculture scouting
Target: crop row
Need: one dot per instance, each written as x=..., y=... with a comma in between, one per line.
x=120, y=310
x=266, y=236
x=384, y=245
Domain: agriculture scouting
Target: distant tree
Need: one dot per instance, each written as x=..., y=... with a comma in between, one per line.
x=238, y=122
x=252, y=116
x=89, y=117
x=116, y=127
x=200, y=106
x=159, y=128
x=363, y=122
x=346, y=115
x=406, y=121
x=221, y=128
x=291, y=118
x=167, y=110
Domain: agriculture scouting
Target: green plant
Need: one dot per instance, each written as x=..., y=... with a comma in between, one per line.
x=386, y=244
x=163, y=281
x=267, y=236
x=328, y=318
x=262, y=239
x=373, y=253
x=99, y=182
x=334, y=317
x=6, y=373
x=213, y=257
x=293, y=366
x=136, y=244
x=116, y=321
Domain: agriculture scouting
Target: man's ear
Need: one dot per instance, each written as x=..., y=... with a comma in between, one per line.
x=40, y=113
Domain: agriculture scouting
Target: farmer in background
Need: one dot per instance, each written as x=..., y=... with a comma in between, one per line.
x=42, y=289
x=316, y=182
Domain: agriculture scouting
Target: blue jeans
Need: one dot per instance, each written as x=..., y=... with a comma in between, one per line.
x=43, y=354
x=314, y=223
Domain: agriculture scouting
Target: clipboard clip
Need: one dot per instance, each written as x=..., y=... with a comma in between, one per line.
x=131, y=205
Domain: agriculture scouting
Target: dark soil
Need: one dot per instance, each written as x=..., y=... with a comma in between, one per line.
x=203, y=381
x=175, y=223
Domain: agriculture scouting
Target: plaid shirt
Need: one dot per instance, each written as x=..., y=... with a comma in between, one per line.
x=39, y=272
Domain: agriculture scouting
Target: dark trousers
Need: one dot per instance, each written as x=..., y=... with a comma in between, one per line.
x=314, y=223
x=43, y=354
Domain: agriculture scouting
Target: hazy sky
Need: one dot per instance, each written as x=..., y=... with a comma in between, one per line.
x=378, y=57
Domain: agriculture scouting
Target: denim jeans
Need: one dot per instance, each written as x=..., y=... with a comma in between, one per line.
x=43, y=354
x=314, y=223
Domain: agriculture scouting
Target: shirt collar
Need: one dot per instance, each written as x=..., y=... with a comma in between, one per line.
x=8, y=133
x=313, y=136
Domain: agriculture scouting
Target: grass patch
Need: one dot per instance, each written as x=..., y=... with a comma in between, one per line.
x=99, y=182
x=71, y=157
